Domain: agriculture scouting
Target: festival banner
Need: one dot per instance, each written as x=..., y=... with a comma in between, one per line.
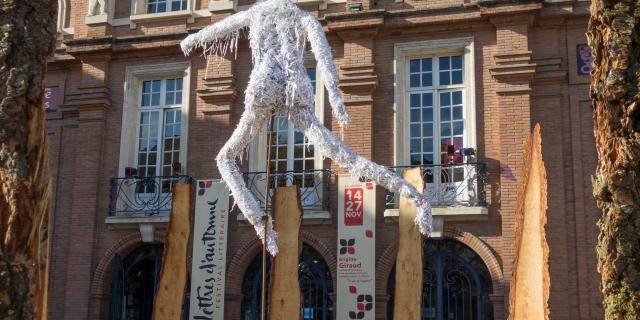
x=209, y=251
x=356, y=248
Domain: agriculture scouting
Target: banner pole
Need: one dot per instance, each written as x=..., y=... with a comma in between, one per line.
x=265, y=218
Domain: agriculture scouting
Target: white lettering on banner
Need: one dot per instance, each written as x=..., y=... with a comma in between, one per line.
x=209, y=251
x=356, y=248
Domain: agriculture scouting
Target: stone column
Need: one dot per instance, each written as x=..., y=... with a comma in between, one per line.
x=513, y=73
x=89, y=104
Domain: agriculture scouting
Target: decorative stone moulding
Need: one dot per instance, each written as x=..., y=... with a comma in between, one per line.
x=513, y=65
x=359, y=78
x=219, y=93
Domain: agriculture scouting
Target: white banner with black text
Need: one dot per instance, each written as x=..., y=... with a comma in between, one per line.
x=209, y=251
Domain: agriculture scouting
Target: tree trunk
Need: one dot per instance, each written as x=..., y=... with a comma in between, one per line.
x=27, y=32
x=614, y=35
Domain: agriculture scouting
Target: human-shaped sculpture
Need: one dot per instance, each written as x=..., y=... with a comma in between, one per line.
x=278, y=32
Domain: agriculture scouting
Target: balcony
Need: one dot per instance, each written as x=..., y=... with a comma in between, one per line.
x=137, y=200
x=314, y=189
x=456, y=190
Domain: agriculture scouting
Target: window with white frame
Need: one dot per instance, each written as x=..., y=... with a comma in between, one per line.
x=436, y=109
x=159, y=6
x=436, y=115
x=159, y=129
x=291, y=150
x=150, y=10
x=153, y=138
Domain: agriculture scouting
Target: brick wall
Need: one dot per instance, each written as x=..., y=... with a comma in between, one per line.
x=525, y=73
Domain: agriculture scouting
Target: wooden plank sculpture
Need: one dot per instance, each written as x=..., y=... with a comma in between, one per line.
x=284, y=289
x=168, y=301
x=529, y=291
x=408, y=294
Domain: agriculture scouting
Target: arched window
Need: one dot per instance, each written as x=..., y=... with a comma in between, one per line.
x=315, y=286
x=456, y=283
x=134, y=283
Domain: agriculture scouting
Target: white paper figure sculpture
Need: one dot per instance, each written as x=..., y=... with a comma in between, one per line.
x=278, y=32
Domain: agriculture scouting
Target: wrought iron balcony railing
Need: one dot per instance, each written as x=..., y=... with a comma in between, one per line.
x=314, y=186
x=450, y=185
x=142, y=196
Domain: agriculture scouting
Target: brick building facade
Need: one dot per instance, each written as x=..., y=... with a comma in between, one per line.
x=124, y=102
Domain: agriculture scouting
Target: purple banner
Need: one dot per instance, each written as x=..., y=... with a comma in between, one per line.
x=51, y=101
x=585, y=59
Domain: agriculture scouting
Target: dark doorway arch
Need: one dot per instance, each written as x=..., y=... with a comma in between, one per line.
x=134, y=283
x=315, y=285
x=456, y=283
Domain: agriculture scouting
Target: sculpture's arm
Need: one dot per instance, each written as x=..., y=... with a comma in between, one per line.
x=215, y=32
x=322, y=52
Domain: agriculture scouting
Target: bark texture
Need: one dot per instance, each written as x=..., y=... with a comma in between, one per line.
x=27, y=38
x=614, y=36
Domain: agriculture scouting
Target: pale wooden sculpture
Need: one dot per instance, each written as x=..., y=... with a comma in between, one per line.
x=529, y=291
x=408, y=294
x=168, y=301
x=284, y=290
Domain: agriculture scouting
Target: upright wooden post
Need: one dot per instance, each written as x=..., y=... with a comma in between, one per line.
x=284, y=289
x=408, y=295
x=529, y=291
x=168, y=301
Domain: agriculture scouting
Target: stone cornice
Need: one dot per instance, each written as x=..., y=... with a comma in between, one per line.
x=516, y=18
x=332, y=17
x=77, y=47
x=498, y=12
x=348, y=22
x=510, y=9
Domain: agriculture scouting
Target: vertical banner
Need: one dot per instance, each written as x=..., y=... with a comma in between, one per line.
x=584, y=59
x=51, y=99
x=356, y=248
x=209, y=251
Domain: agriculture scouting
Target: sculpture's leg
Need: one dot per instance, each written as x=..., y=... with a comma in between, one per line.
x=330, y=146
x=251, y=124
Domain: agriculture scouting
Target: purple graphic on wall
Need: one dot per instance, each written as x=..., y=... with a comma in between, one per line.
x=50, y=99
x=585, y=59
